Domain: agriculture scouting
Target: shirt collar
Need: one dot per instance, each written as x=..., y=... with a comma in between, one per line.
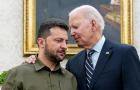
x=40, y=66
x=98, y=46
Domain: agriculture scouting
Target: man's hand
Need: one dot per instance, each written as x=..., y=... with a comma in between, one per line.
x=31, y=59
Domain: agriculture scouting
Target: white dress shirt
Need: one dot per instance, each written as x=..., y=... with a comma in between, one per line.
x=97, y=48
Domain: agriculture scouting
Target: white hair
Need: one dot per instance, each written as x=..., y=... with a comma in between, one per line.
x=91, y=13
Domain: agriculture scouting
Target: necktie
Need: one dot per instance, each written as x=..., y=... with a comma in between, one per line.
x=89, y=68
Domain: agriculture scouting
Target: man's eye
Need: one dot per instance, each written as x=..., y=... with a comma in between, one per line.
x=58, y=40
x=75, y=27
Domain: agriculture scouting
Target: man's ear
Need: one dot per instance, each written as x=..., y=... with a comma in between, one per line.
x=41, y=42
x=93, y=23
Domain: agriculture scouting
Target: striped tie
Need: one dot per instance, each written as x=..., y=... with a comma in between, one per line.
x=89, y=68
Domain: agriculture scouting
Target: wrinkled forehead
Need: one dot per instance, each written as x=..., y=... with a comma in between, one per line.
x=76, y=16
x=76, y=19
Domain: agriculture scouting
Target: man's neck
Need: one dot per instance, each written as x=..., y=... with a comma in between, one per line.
x=93, y=42
x=47, y=62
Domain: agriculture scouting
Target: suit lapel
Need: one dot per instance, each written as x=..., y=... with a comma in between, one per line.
x=82, y=71
x=103, y=58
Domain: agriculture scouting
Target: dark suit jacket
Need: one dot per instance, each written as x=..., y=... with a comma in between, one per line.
x=117, y=70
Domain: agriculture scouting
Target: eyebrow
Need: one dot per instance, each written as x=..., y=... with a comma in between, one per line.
x=61, y=38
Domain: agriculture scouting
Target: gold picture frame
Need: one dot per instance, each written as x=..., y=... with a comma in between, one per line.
x=29, y=33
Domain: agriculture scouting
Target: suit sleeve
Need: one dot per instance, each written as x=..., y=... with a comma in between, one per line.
x=10, y=81
x=131, y=70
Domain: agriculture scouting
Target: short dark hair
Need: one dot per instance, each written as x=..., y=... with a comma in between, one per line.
x=44, y=30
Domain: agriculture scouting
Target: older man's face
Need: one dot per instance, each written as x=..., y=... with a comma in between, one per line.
x=80, y=29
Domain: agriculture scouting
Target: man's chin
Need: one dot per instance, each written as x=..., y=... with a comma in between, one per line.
x=61, y=58
x=79, y=45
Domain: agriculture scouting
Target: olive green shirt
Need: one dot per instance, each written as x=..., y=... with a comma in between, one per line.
x=39, y=77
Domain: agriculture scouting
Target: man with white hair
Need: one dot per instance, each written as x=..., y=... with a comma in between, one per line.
x=102, y=65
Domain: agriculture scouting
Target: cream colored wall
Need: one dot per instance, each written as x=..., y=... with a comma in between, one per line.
x=136, y=24
x=11, y=32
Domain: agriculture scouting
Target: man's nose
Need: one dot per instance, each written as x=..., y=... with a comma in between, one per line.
x=72, y=33
x=64, y=45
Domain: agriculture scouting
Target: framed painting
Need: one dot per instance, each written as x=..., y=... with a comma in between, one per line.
x=117, y=15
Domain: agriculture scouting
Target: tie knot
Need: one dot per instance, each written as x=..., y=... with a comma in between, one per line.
x=91, y=52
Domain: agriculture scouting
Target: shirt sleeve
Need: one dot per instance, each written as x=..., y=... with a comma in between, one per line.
x=10, y=81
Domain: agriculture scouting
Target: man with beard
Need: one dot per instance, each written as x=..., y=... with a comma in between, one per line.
x=46, y=73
